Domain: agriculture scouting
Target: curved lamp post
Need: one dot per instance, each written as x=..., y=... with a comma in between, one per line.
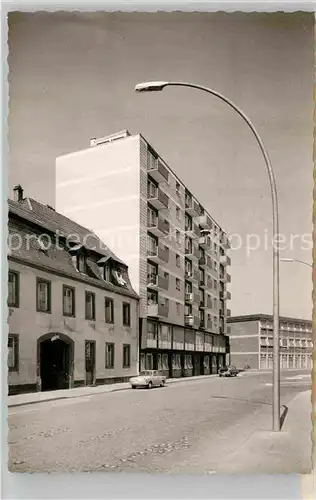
x=158, y=86
x=298, y=261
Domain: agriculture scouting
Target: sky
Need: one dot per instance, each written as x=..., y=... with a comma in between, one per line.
x=71, y=78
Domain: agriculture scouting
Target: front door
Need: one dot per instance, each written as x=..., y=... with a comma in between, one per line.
x=54, y=364
x=90, y=361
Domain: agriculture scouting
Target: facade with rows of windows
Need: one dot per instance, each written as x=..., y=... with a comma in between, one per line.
x=251, y=342
x=73, y=314
x=176, y=252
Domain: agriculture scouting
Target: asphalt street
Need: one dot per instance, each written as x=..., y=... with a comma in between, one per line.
x=192, y=426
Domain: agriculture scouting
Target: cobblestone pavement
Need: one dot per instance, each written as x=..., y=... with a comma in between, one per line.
x=185, y=427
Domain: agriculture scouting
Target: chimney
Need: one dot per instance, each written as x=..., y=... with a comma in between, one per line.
x=18, y=193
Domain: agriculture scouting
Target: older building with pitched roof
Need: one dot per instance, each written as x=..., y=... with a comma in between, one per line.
x=73, y=313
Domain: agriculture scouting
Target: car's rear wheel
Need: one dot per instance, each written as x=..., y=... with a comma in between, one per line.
x=162, y=383
x=149, y=385
x=133, y=386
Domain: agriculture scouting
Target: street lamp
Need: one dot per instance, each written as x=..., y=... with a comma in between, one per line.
x=160, y=85
x=298, y=261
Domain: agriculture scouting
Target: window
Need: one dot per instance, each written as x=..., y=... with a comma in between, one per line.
x=152, y=272
x=126, y=356
x=188, y=245
x=177, y=260
x=178, y=187
x=151, y=330
x=43, y=295
x=68, y=301
x=166, y=275
x=13, y=291
x=178, y=286
x=178, y=213
x=13, y=353
x=178, y=308
x=107, y=273
x=126, y=314
x=152, y=216
x=109, y=310
x=152, y=245
x=109, y=355
x=90, y=306
x=152, y=297
x=215, y=285
x=188, y=223
x=188, y=287
x=151, y=189
x=81, y=262
x=178, y=237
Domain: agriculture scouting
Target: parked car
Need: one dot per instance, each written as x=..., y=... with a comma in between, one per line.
x=149, y=379
x=228, y=371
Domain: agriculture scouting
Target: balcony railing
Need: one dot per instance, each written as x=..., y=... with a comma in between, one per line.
x=202, y=261
x=158, y=226
x=189, y=320
x=188, y=274
x=158, y=254
x=157, y=310
x=205, y=221
x=196, y=275
x=192, y=207
x=163, y=282
x=189, y=297
x=152, y=279
x=225, y=260
x=205, y=242
x=157, y=170
x=158, y=198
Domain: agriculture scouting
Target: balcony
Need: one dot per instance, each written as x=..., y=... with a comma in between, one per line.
x=225, y=260
x=159, y=226
x=205, y=221
x=192, y=207
x=157, y=170
x=150, y=342
x=188, y=274
x=193, y=232
x=157, y=310
x=163, y=282
x=158, y=198
x=202, y=324
x=228, y=278
x=189, y=320
x=209, y=263
x=196, y=275
x=224, y=241
x=202, y=262
x=155, y=281
x=196, y=298
x=225, y=295
x=202, y=304
x=189, y=298
x=205, y=242
x=209, y=302
x=202, y=283
x=158, y=254
x=228, y=313
x=152, y=280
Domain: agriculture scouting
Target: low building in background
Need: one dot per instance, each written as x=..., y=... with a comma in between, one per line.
x=251, y=342
x=73, y=314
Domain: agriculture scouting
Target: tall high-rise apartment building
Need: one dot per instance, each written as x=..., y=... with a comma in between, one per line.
x=176, y=253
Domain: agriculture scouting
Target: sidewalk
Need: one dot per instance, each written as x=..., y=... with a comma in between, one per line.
x=286, y=452
x=39, y=397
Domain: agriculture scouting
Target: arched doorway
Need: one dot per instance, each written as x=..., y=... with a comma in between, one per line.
x=54, y=361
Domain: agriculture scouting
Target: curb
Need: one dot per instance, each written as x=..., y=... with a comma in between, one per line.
x=169, y=381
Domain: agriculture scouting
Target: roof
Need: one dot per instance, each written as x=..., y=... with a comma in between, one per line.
x=265, y=317
x=53, y=221
x=28, y=219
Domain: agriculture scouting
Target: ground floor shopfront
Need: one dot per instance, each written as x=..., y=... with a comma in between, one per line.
x=176, y=364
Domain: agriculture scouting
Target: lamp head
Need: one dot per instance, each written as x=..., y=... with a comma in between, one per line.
x=287, y=260
x=150, y=86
